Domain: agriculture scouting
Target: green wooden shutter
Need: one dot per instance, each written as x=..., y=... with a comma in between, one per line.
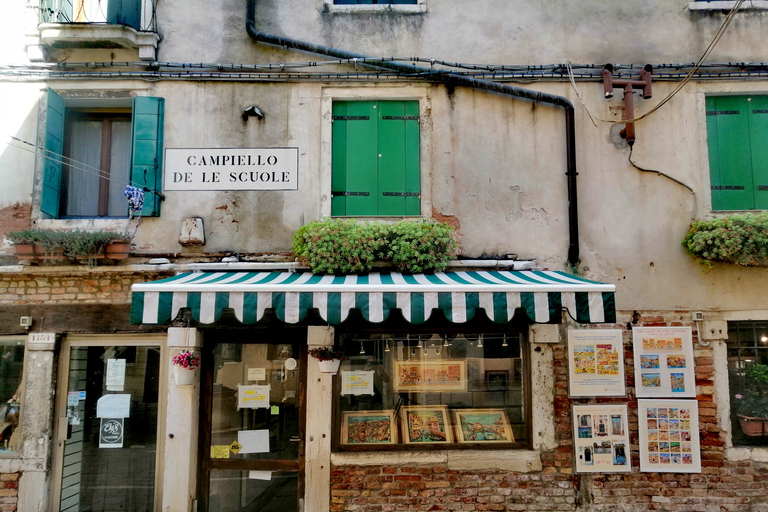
x=147, y=151
x=354, y=160
x=730, y=157
x=399, y=184
x=758, y=136
x=52, y=155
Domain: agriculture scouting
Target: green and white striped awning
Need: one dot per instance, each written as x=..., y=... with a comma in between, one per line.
x=542, y=295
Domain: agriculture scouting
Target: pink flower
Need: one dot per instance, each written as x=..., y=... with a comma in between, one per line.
x=739, y=397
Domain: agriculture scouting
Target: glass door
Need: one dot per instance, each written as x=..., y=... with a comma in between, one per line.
x=107, y=428
x=252, y=424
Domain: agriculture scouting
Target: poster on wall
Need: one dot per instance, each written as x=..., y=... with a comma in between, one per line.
x=664, y=362
x=601, y=438
x=596, y=363
x=669, y=436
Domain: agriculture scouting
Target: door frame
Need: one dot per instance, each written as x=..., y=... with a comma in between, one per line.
x=60, y=422
x=205, y=464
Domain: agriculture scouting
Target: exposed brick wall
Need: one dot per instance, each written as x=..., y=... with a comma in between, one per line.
x=9, y=492
x=77, y=287
x=722, y=486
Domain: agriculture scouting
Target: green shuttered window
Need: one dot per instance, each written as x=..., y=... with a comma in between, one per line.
x=737, y=128
x=91, y=156
x=375, y=161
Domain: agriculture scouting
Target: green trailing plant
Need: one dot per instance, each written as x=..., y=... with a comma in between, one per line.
x=737, y=238
x=753, y=402
x=342, y=246
x=75, y=244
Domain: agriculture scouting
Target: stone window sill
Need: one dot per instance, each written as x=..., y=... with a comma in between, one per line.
x=727, y=5
x=419, y=8
x=520, y=461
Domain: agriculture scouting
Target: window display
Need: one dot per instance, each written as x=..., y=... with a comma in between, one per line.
x=435, y=389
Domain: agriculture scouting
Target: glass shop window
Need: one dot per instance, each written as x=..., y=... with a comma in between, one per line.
x=435, y=389
x=748, y=380
x=11, y=373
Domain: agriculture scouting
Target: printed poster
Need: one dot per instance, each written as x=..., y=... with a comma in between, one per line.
x=357, y=382
x=253, y=397
x=669, y=436
x=601, y=438
x=111, y=432
x=115, y=379
x=596, y=362
x=664, y=362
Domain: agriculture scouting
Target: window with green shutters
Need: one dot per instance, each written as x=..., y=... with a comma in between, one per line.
x=375, y=161
x=91, y=155
x=737, y=130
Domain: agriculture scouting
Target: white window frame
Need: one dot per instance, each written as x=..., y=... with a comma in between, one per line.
x=726, y=5
x=419, y=7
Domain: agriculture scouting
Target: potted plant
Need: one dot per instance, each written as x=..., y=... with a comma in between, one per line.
x=185, y=364
x=328, y=358
x=752, y=405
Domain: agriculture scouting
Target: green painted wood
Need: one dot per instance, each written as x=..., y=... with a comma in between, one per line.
x=758, y=133
x=54, y=147
x=147, y=150
x=378, y=156
x=730, y=153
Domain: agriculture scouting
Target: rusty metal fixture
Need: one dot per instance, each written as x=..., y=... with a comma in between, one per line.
x=644, y=84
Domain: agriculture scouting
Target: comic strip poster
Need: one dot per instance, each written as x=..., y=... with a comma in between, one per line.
x=596, y=362
x=669, y=436
x=601, y=438
x=664, y=365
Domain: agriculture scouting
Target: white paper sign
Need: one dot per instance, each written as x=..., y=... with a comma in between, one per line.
x=358, y=382
x=115, y=374
x=260, y=475
x=257, y=374
x=253, y=397
x=596, y=362
x=231, y=169
x=253, y=441
x=114, y=406
x=664, y=362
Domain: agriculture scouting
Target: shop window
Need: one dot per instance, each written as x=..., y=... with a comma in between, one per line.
x=375, y=160
x=737, y=127
x=11, y=373
x=405, y=391
x=92, y=154
x=747, y=346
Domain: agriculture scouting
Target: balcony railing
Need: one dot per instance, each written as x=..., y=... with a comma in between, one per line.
x=137, y=14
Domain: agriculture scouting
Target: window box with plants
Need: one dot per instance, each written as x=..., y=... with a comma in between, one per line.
x=47, y=245
x=739, y=238
x=338, y=246
x=752, y=405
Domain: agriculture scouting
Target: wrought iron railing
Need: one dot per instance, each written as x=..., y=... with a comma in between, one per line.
x=111, y=12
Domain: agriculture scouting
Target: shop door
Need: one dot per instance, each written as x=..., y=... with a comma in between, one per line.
x=107, y=414
x=252, y=425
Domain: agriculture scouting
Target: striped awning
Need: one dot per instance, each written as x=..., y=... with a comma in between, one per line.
x=459, y=295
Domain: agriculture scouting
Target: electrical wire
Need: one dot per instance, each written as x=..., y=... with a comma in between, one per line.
x=683, y=83
x=660, y=173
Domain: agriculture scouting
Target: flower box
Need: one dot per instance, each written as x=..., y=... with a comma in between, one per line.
x=753, y=427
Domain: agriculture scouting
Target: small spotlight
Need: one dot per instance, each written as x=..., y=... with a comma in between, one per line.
x=252, y=111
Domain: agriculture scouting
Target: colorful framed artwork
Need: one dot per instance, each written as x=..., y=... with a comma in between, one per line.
x=496, y=380
x=596, y=363
x=482, y=426
x=664, y=362
x=430, y=376
x=423, y=424
x=368, y=427
x=669, y=436
x=601, y=438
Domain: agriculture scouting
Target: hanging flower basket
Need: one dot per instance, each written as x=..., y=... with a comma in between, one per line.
x=329, y=366
x=185, y=365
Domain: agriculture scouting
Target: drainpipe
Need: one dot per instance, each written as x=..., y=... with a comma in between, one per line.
x=455, y=79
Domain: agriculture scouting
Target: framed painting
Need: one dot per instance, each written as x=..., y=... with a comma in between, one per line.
x=496, y=380
x=595, y=362
x=368, y=427
x=668, y=434
x=601, y=438
x=430, y=376
x=664, y=365
x=482, y=426
x=423, y=424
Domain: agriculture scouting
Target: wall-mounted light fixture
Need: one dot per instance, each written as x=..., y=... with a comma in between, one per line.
x=644, y=84
x=252, y=111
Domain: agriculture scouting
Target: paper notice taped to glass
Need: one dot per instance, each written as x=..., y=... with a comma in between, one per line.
x=253, y=397
x=253, y=441
x=114, y=406
x=260, y=475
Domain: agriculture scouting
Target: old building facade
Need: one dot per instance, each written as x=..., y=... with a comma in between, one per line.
x=242, y=121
